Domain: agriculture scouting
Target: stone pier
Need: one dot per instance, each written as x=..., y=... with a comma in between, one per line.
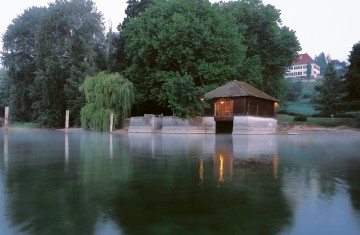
x=172, y=125
x=248, y=125
x=242, y=125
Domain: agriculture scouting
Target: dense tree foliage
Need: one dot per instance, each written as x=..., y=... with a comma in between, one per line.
x=308, y=71
x=173, y=52
x=106, y=93
x=329, y=94
x=134, y=8
x=271, y=47
x=19, y=57
x=182, y=95
x=352, y=80
x=66, y=55
x=294, y=90
x=322, y=60
x=189, y=40
x=4, y=90
x=48, y=52
x=211, y=44
x=341, y=67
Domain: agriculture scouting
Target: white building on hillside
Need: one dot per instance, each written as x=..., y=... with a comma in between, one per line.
x=304, y=67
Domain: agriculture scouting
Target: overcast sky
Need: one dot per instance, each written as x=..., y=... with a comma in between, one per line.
x=329, y=26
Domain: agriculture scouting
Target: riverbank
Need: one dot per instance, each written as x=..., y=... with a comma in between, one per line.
x=305, y=129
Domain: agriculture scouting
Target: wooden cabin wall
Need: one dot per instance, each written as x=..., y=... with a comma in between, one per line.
x=262, y=111
x=242, y=106
x=260, y=107
x=252, y=106
x=239, y=106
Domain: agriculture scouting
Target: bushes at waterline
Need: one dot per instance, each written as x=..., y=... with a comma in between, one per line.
x=300, y=119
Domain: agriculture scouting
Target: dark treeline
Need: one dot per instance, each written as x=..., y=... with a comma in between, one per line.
x=173, y=51
x=339, y=91
x=47, y=53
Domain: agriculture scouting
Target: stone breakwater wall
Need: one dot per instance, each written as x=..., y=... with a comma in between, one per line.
x=171, y=125
x=196, y=125
x=248, y=125
x=242, y=125
x=145, y=124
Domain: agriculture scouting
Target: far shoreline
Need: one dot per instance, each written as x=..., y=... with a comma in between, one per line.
x=293, y=130
x=306, y=129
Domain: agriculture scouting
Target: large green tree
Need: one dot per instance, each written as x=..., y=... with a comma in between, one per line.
x=352, y=80
x=19, y=58
x=188, y=40
x=329, y=94
x=134, y=9
x=271, y=47
x=48, y=52
x=106, y=93
x=322, y=60
x=4, y=90
x=66, y=54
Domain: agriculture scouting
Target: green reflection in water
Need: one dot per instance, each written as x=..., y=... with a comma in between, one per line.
x=153, y=184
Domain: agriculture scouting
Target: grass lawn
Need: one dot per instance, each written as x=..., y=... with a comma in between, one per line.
x=302, y=107
x=309, y=87
x=317, y=121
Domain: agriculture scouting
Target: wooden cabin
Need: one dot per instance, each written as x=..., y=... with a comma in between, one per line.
x=239, y=99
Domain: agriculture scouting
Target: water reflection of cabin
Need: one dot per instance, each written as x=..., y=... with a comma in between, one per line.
x=238, y=99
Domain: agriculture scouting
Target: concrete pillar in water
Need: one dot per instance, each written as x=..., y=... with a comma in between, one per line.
x=66, y=148
x=6, y=151
x=67, y=120
x=111, y=138
x=111, y=122
x=111, y=151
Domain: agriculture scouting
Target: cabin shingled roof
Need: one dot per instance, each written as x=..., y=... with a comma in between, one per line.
x=235, y=89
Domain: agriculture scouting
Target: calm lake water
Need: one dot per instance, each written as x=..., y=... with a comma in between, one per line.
x=96, y=183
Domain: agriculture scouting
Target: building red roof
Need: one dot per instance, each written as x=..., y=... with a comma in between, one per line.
x=304, y=59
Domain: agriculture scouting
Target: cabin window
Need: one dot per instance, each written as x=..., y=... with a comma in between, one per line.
x=224, y=107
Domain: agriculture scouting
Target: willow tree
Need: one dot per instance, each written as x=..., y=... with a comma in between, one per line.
x=106, y=93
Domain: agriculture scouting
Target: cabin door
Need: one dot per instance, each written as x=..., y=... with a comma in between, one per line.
x=224, y=115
